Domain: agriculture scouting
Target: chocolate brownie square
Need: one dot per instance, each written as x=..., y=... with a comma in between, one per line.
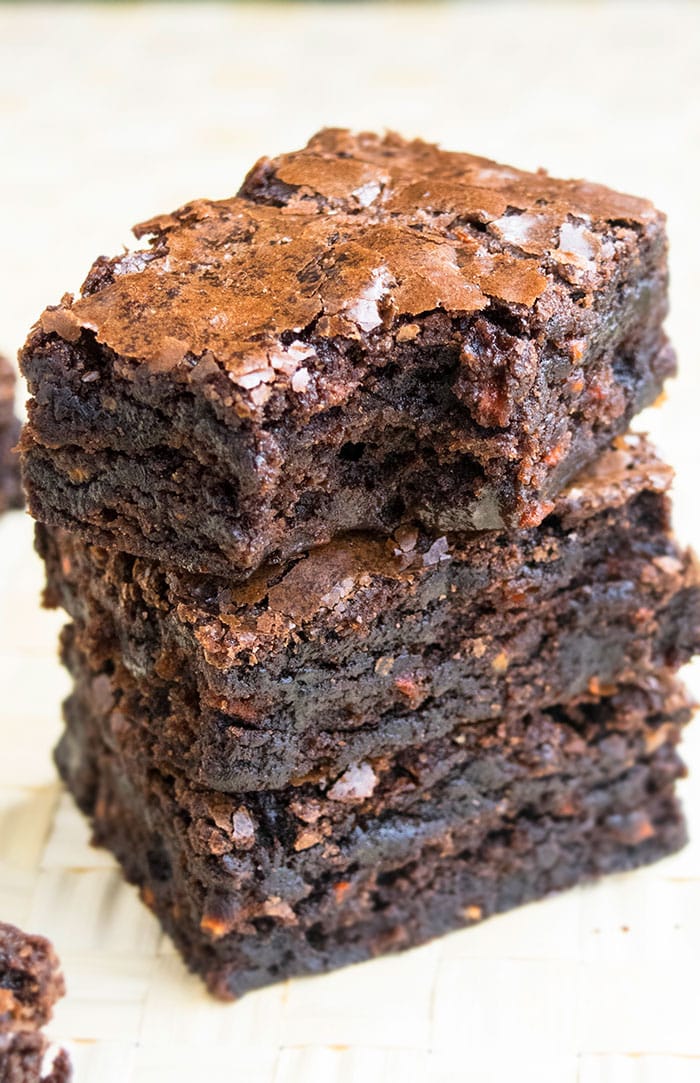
x=373, y=332
x=257, y=887
x=363, y=647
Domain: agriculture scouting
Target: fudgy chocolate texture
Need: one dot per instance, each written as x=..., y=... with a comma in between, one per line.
x=257, y=887
x=30, y=984
x=11, y=495
x=365, y=647
x=373, y=332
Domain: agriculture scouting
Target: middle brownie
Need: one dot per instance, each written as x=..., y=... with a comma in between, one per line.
x=365, y=647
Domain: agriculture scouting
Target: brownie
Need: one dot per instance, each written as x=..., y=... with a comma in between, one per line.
x=363, y=647
x=373, y=332
x=27, y=1057
x=30, y=984
x=256, y=887
x=11, y=495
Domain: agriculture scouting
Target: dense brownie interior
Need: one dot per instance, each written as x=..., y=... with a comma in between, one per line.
x=364, y=647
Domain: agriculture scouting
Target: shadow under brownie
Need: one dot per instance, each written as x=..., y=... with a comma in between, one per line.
x=373, y=332
x=261, y=886
x=362, y=648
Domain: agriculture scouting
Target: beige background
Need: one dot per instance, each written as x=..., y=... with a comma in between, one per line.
x=111, y=114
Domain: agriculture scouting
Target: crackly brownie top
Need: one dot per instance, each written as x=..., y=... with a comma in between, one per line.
x=350, y=239
x=30, y=980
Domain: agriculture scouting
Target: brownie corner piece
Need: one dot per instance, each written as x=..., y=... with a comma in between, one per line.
x=11, y=495
x=373, y=331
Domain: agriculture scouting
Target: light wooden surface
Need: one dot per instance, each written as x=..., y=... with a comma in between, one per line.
x=110, y=114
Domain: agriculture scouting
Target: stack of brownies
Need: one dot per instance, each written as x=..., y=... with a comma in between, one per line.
x=376, y=610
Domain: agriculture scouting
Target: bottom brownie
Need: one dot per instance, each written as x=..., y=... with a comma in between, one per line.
x=261, y=886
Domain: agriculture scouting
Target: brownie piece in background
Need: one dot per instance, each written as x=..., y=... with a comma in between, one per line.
x=365, y=646
x=11, y=495
x=30, y=984
x=30, y=980
x=373, y=332
x=256, y=887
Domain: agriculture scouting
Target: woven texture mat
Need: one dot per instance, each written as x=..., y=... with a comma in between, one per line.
x=111, y=114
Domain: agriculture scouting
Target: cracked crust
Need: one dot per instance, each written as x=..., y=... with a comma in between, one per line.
x=230, y=279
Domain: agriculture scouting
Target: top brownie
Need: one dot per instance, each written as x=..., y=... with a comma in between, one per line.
x=373, y=331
